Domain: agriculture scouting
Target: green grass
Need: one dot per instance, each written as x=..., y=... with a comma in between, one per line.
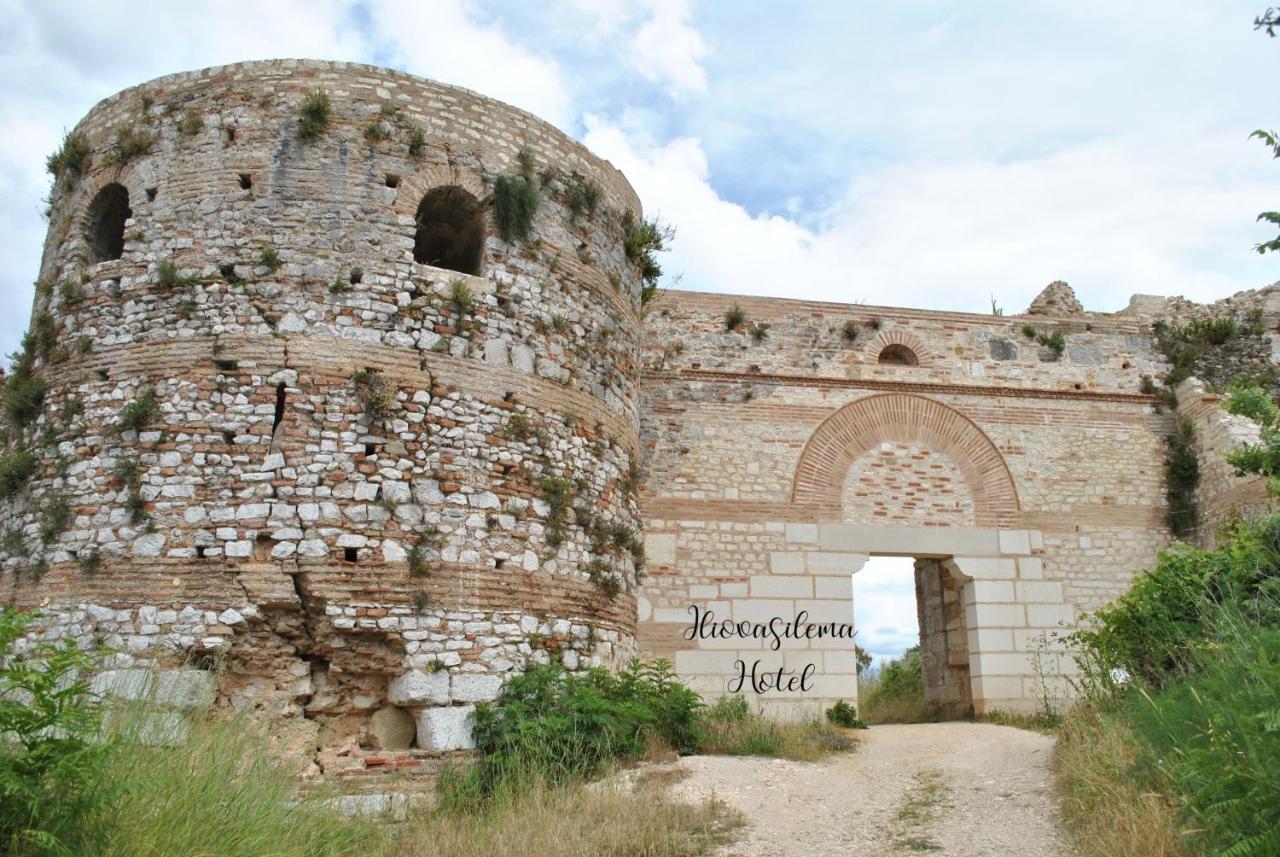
x=730, y=728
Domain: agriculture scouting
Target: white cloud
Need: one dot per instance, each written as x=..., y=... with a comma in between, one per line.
x=884, y=606
x=441, y=40
x=1114, y=217
x=668, y=49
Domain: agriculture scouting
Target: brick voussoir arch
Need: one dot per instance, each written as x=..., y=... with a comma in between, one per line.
x=891, y=336
x=861, y=425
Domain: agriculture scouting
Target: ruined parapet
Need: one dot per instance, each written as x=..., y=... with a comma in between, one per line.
x=1056, y=299
x=1221, y=496
x=300, y=404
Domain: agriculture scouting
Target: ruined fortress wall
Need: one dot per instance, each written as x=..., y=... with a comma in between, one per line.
x=341, y=562
x=732, y=425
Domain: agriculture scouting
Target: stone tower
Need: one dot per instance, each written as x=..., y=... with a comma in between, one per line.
x=305, y=395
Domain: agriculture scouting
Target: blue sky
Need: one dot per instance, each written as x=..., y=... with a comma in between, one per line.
x=930, y=153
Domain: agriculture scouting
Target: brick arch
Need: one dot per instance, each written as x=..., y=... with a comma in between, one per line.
x=890, y=336
x=859, y=426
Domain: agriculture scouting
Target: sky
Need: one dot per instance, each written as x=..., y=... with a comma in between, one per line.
x=928, y=153
x=884, y=607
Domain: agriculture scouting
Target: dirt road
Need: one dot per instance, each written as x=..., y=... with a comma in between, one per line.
x=954, y=789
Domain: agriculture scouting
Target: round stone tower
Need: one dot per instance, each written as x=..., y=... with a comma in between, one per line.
x=331, y=382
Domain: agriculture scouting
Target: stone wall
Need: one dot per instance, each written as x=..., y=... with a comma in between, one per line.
x=341, y=483
x=990, y=437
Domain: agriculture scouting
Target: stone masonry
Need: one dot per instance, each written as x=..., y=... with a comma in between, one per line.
x=311, y=430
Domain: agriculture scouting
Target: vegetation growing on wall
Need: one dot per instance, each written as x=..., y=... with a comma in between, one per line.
x=516, y=199
x=314, y=115
x=642, y=241
x=72, y=158
x=1262, y=458
x=1182, y=476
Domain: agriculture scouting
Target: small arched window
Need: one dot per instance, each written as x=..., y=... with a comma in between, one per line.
x=450, y=230
x=898, y=355
x=105, y=222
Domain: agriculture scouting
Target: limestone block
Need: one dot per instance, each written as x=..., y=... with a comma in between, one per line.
x=444, y=729
x=417, y=687
x=989, y=591
x=827, y=610
x=786, y=562
x=767, y=586
x=392, y=728
x=833, y=587
x=475, y=687
x=660, y=548
x=1014, y=541
x=835, y=562
x=802, y=534
x=184, y=689
x=1050, y=615
x=1039, y=591
x=762, y=609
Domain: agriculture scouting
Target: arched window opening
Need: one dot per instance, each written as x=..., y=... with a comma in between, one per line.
x=107, y=215
x=898, y=355
x=450, y=230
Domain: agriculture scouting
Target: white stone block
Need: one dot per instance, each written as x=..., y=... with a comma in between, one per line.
x=1015, y=542
x=989, y=591
x=418, y=687
x=1040, y=591
x=1050, y=615
x=804, y=534
x=475, y=687
x=444, y=729
x=762, y=609
x=827, y=610
x=786, y=562
x=660, y=548
x=840, y=586
x=767, y=586
x=835, y=562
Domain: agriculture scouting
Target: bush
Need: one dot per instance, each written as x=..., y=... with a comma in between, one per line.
x=72, y=157
x=516, y=199
x=556, y=726
x=314, y=115
x=24, y=394
x=53, y=767
x=140, y=413
x=894, y=692
x=16, y=469
x=846, y=715
x=1185, y=670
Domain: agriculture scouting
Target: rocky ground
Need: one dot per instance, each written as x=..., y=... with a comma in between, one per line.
x=954, y=789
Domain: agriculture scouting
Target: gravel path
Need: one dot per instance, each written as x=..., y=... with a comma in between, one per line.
x=954, y=789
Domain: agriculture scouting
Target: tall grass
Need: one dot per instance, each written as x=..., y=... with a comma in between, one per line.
x=894, y=692
x=220, y=793
x=730, y=728
x=1176, y=748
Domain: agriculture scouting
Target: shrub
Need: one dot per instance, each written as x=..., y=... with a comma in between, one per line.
x=849, y=331
x=314, y=115
x=1055, y=342
x=270, y=259
x=758, y=330
x=376, y=396
x=24, y=394
x=129, y=143
x=734, y=317
x=844, y=714
x=139, y=413
x=583, y=197
x=516, y=199
x=72, y=157
x=461, y=298
x=55, y=518
x=561, y=726
x=1182, y=475
x=53, y=767
x=642, y=241
x=558, y=494
x=190, y=124
x=1029, y=331
x=417, y=143
x=16, y=469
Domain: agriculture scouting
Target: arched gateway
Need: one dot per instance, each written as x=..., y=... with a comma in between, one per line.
x=773, y=477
